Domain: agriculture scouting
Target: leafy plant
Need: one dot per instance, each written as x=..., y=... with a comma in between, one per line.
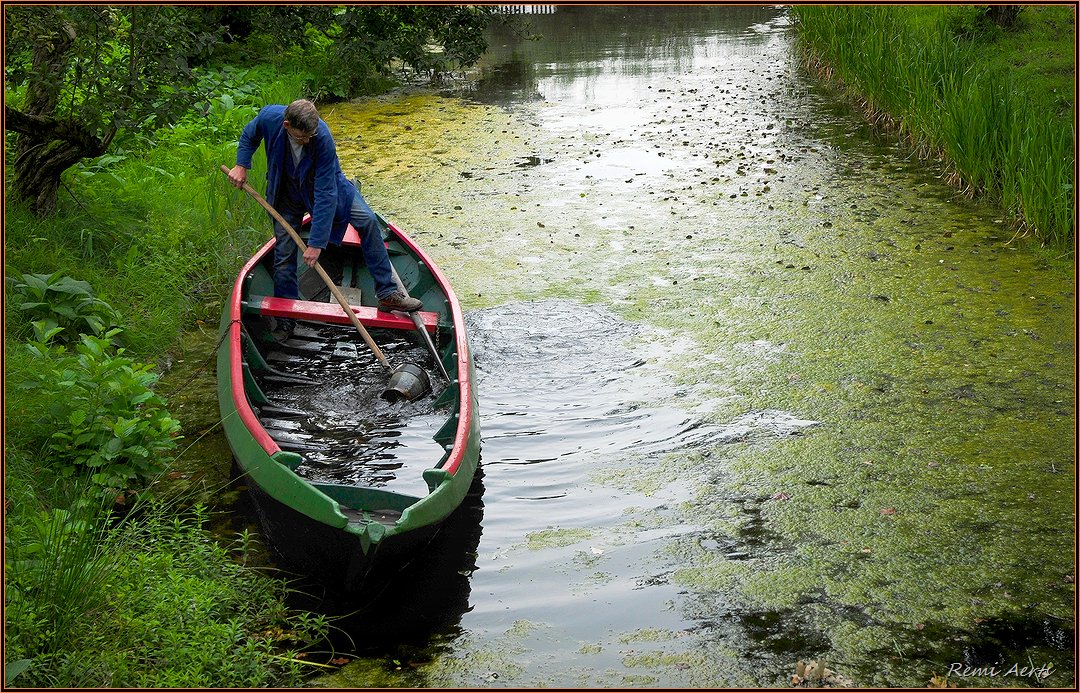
x=149, y=600
x=56, y=571
x=13, y=669
x=104, y=416
x=62, y=307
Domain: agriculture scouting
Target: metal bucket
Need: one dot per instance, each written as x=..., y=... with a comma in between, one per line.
x=407, y=382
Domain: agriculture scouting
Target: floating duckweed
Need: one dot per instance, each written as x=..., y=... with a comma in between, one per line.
x=522, y=628
x=936, y=487
x=556, y=538
x=648, y=635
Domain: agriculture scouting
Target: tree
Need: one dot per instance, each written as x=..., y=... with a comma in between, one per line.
x=1003, y=15
x=430, y=40
x=78, y=74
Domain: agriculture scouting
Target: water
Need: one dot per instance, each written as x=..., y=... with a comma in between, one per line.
x=330, y=410
x=755, y=386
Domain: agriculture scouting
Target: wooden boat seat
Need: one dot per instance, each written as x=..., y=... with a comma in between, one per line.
x=318, y=311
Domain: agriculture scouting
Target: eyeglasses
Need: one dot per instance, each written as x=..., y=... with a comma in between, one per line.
x=299, y=135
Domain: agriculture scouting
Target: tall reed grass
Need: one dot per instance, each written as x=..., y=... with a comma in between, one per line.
x=147, y=600
x=908, y=68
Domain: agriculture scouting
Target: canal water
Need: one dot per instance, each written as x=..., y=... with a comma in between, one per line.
x=755, y=385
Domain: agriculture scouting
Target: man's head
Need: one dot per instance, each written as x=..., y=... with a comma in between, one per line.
x=301, y=120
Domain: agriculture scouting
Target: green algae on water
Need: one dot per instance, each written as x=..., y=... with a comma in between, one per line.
x=935, y=359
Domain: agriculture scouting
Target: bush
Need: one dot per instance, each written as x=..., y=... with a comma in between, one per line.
x=62, y=307
x=102, y=416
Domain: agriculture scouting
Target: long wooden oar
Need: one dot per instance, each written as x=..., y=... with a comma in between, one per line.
x=318, y=268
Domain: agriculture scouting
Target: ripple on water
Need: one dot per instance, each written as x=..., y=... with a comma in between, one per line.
x=577, y=410
x=563, y=381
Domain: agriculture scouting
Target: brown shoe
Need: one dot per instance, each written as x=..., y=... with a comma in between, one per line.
x=399, y=301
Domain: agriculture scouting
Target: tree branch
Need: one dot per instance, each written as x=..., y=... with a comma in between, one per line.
x=43, y=128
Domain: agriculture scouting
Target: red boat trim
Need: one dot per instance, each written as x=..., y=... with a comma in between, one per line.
x=465, y=406
x=236, y=372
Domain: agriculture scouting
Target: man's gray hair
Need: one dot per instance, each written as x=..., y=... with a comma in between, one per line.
x=302, y=115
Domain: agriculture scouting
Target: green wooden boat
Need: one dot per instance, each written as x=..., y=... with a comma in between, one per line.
x=341, y=479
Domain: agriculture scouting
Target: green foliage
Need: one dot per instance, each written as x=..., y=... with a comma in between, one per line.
x=61, y=307
x=952, y=96
x=428, y=40
x=13, y=669
x=147, y=601
x=55, y=573
x=262, y=33
x=103, y=417
x=116, y=66
x=970, y=22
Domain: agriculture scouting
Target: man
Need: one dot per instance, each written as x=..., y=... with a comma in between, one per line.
x=303, y=174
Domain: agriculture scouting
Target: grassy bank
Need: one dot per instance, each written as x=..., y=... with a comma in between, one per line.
x=148, y=601
x=997, y=104
x=151, y=234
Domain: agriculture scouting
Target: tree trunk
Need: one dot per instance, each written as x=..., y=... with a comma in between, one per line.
x=47, y=147
x=1003, y=15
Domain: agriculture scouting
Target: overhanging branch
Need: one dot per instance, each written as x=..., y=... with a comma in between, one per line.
x=44, y=128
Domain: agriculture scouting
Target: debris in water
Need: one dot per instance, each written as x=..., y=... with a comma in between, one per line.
x=938, y=681
x=814, y=674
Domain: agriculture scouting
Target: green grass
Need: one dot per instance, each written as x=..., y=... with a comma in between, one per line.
x=152, y=600
x=996, y=104
x=149, y=600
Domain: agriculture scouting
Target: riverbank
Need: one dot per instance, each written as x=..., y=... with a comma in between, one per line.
x=996, y=103
x=156, y=235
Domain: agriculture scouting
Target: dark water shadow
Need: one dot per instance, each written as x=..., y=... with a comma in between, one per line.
x=406, y=612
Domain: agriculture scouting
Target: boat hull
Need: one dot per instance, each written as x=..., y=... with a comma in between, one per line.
x=338, y=532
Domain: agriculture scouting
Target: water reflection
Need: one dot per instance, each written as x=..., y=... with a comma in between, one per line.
x=406, y=613
x=652, y=42
x=823, y=442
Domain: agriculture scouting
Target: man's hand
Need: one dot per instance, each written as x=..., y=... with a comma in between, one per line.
x=238, y=176
x=311, y=256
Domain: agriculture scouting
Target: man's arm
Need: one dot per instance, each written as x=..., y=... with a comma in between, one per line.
x=250, y=139
x=326, y=173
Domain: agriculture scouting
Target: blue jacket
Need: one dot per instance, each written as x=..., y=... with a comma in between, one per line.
x=328, y=195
